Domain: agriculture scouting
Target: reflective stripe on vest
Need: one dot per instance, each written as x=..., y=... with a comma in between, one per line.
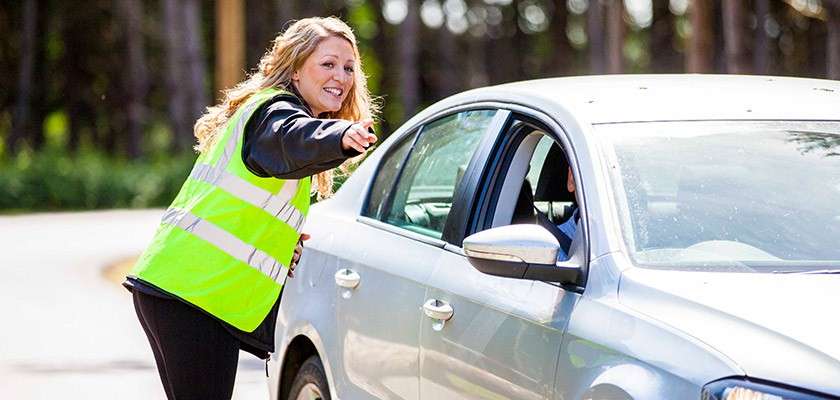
x=277, y=205
x=227, y=242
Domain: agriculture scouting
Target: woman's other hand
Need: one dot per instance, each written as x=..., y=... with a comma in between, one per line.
x=296, y=256
x=357, y=137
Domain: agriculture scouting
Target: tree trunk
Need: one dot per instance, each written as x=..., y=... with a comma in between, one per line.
x=700, y=56
x=230, y=43
x=615, y=37
x=76, y=31
x=382, y=44
x=734, y=33
x=498, y=54
x=197, y=98
x=136, y=76
x=518, y=47
x=477, y=71
x=185, y=75
x=833, y=42
x=40, y=105
x=260, y=25
x=665, y=58
x=761, y=49
x=817, y=56
x=174, y=74
x=286, y=12
x=337, y=8
x=409, y=31
x=595, y=33
x=562, y=55
x=448, y=65
x=22, y=125
x=311, y=8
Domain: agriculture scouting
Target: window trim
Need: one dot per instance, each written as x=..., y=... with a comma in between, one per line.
x=400, y=231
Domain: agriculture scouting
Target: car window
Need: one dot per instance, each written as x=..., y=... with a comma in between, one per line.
x=424, y=192
x=386, y=176
x=728, y=195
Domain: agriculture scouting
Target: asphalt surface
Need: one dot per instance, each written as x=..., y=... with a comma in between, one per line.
x=66, y=331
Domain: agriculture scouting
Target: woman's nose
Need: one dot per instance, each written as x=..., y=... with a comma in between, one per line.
x=342, y=76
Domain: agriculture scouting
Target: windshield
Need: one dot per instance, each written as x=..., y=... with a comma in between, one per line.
x=740, y=195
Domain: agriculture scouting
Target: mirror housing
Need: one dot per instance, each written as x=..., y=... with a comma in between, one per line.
x=525, y=251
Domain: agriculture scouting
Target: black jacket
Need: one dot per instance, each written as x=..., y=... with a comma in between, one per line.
x=283, y=140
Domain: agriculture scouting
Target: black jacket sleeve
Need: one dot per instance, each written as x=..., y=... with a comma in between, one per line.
x=283, y=140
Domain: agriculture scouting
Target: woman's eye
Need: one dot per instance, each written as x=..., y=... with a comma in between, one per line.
x=348, y=69
x=328, y=64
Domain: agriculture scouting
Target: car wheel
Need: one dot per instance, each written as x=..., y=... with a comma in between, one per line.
x=310, y=382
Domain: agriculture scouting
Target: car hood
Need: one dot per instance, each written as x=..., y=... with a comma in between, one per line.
x=779, y=327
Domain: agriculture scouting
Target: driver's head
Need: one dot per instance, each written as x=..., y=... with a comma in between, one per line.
x=570, y=181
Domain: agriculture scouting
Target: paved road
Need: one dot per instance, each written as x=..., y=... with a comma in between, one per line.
x=66, y=331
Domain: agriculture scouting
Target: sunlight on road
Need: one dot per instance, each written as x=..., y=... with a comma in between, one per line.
x=73, y=331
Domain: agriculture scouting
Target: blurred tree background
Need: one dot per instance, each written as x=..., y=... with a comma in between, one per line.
x=99, y=96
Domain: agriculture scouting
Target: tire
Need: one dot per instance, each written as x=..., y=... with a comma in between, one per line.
x=310, y=382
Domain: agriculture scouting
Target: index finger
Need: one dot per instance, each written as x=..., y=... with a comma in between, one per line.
x=366, y=123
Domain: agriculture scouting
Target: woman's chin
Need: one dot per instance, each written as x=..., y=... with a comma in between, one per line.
x=332, y=107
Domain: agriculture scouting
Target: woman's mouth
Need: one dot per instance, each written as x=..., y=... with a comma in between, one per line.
x=337, y=92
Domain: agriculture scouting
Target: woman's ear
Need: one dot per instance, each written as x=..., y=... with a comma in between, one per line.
x=295, y=76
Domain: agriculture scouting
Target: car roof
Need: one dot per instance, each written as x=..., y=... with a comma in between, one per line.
x=628, y=98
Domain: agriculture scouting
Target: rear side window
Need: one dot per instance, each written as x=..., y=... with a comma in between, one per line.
x=386, y=176
x=424, y=192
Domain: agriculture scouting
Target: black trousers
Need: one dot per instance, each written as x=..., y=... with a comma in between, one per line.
x=195, y=355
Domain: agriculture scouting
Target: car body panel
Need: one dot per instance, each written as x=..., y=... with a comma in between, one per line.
x=298, y=317
x=379, y=321
x=605, y=337
x=503, y=339
x=745, y=315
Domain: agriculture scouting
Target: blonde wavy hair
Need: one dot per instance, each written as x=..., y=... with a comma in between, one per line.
x=289, y=51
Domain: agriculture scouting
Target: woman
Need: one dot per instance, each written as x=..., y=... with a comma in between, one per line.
x=210, y=282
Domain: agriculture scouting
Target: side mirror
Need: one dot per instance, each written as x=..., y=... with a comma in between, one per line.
x=526, y=251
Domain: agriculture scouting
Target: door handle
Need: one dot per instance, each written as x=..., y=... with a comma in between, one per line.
x=347, y=278
x=438, y=310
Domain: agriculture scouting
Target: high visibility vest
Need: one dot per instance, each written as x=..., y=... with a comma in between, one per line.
x=225, y=243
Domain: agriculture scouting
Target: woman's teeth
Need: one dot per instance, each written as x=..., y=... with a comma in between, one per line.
x=333, y=91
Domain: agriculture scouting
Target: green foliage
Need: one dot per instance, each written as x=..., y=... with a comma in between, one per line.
x=54, y=180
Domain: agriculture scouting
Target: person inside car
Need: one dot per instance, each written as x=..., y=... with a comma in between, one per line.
x=568, y=228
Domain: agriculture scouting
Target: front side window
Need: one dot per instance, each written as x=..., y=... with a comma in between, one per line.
x=424, y=192
x=740, y=195
x=386, y=176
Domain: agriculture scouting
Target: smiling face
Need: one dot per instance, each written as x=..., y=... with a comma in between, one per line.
x=326, y=77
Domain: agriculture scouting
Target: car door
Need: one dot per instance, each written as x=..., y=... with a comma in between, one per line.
x=504, y=336
x=391, y=253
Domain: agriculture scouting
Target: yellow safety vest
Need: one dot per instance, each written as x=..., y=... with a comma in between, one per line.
x=225, y=242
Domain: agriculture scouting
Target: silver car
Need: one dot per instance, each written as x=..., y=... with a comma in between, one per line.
x=704, y=261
